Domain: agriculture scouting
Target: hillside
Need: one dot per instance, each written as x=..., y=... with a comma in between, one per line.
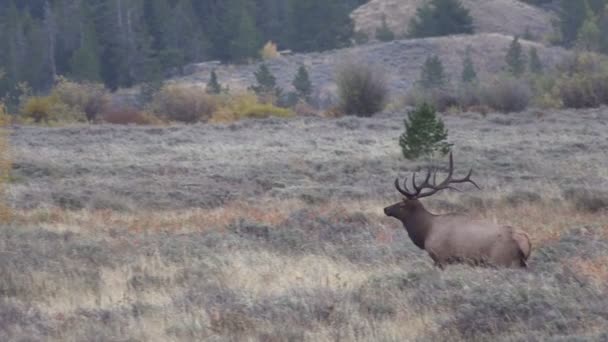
x=503, y=16
x=401, y=60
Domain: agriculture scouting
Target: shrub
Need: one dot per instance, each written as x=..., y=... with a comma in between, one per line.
x=128, y=115
x=583, y=91
x=269, y=51
x=183, y=103
x=424, y=134
x=243, y=106
x=536, y=66
x=469, y=75
x=507, y=95
x=39, y=108
x=362, y=89
x=441, y=18
x=440, y=99
x=83, y=98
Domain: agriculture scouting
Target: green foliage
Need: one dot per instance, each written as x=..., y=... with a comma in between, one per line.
x=266, y=86
x=362, y=89
x=536, y=66
x=124, y=43
x=589, y=35
x=441, y=18
x=424, y=134
x=515, y=59
x=469, y=75
x=384, y=33
x=302, y=83
x=572, y=14
x=432, y=74
x=213, y=86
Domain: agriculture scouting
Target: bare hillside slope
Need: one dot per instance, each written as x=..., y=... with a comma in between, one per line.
x=401, y=60
x=504, y=16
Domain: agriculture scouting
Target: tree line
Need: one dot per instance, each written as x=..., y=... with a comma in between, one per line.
x=124, y=42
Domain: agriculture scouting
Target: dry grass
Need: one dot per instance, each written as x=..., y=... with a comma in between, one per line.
x=272, y=230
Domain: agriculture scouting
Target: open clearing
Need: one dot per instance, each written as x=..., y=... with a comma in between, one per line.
x=272, y=230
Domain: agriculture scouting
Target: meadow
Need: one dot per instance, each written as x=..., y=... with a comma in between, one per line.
x=273, y=230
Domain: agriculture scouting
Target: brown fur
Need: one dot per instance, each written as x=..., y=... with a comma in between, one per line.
x=459, y=239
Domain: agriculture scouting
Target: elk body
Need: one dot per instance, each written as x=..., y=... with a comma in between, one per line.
x=456, y=238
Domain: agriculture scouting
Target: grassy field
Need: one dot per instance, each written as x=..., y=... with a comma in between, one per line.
x=272, y=230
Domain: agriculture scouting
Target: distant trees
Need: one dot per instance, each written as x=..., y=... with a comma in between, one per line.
x=432, y=74
x=124, y=42
x=440, y=18
x=515, y=58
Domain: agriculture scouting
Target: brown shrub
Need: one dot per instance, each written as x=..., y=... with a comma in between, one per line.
x=126, y=116
x=507, y=95
x=362, y=89
x=440, y=99
x=89, y=99
x=183, y=103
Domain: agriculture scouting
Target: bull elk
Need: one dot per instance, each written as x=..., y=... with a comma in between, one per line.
x=454, y=238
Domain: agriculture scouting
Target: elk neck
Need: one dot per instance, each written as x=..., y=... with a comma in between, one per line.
x=418, y=223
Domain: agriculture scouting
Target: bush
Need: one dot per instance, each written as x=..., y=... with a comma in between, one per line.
x=507, y=95
x=39, y=108
x=126, y=116
x=269, y=51
x=440, y=99
x=183, y=103
x=424, y=134
x=242, y=106
x=362, y=89
x=583, y=91
x=84, y=98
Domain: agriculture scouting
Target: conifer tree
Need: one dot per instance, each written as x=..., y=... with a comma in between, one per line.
x=515, y=59
x=302, y=83
x=440, y=18
x=266, y=84
x=213, y=86
x=424, y=134
x=536, y=66
x=432, y=74
x=469, y=75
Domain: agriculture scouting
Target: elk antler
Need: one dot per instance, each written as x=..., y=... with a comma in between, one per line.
x=432, y=185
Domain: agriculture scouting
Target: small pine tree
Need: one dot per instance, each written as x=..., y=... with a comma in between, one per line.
x=515, y=59
x=302, y=83
x=266, y=83
x=384, y=33
x=536, y=66
x=213, y=86
x=432, y=74
x=469, y=75
x=424, y=134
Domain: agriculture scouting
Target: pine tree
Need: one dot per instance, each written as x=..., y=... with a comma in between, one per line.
x=536, y=66
x=424, y=134
x=85, y=64
x=266, y=83
x=432, y=74
x=571, y=17
x=213, y=86
x=440, y=18
x=469, y=75
x=384, y=33
x=515, y=59
x=302, y=83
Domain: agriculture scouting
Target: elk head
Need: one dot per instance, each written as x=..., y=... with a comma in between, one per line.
x=411, y=207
